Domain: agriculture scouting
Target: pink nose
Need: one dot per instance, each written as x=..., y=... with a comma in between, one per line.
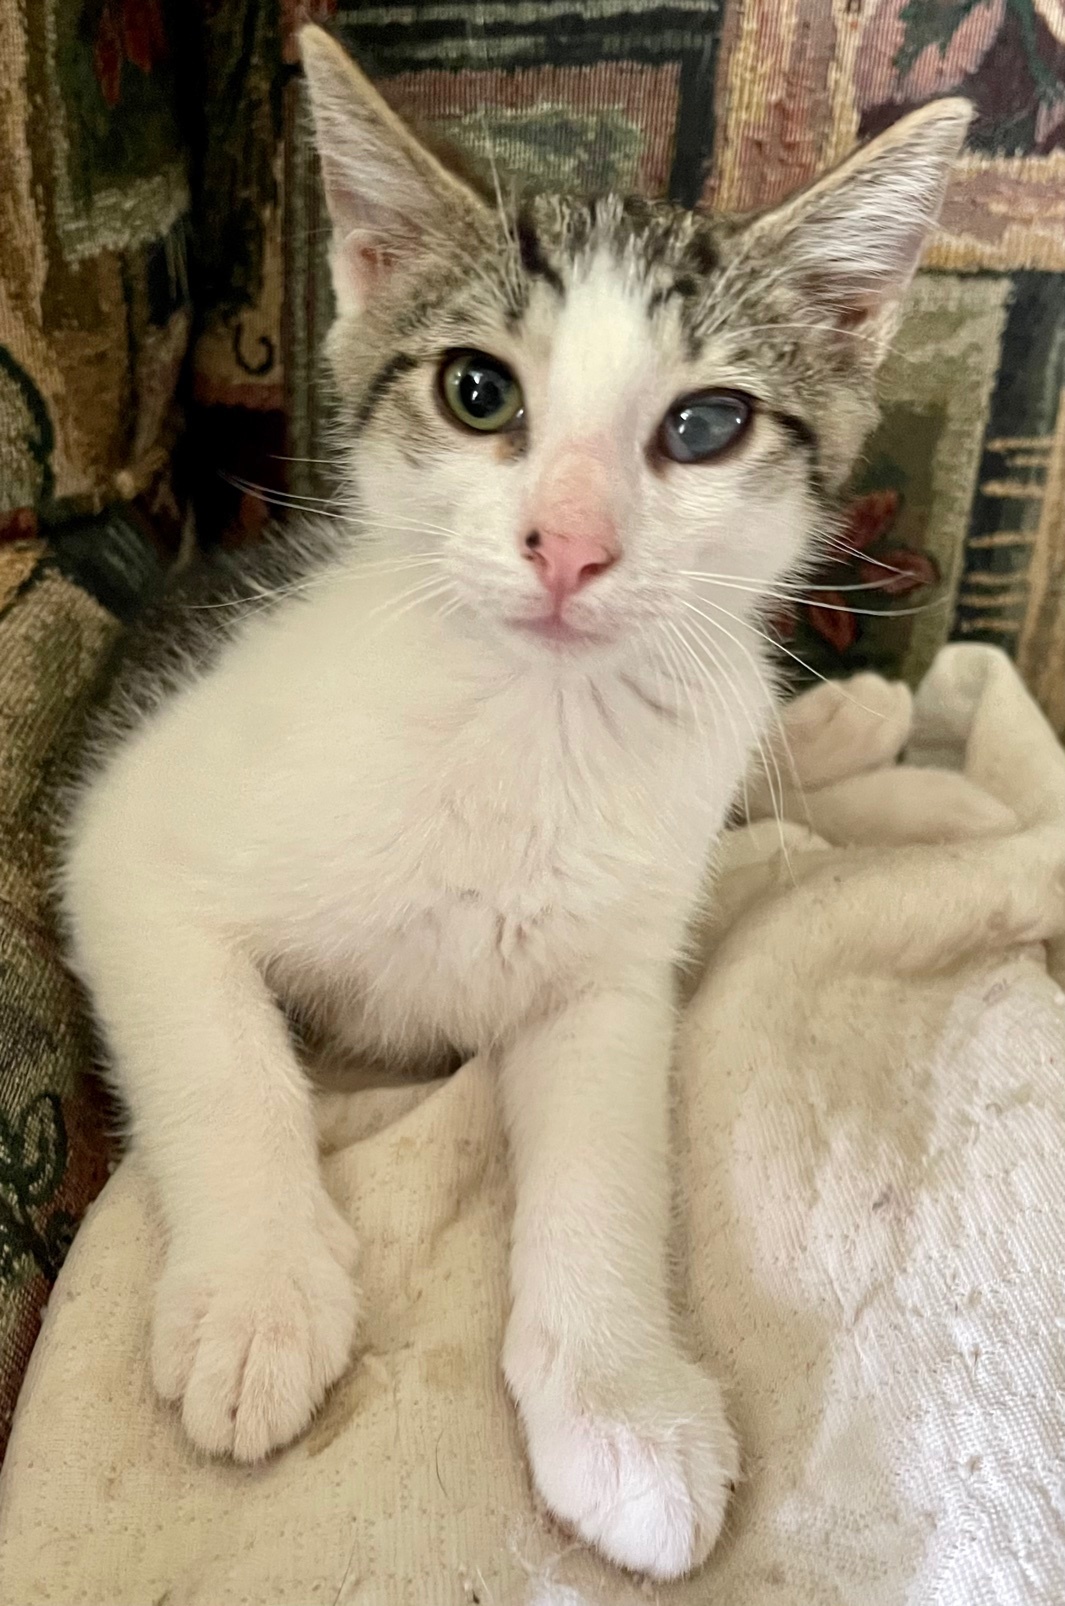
x=565, y=561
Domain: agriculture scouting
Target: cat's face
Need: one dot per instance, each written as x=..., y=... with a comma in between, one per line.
x=580, y=413
x=595, y=426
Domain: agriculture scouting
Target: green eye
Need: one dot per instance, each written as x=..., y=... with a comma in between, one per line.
x=700, y=427
x=481, y=391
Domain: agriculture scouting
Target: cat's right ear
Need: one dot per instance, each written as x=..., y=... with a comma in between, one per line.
x=854, y=238
x=385, y=192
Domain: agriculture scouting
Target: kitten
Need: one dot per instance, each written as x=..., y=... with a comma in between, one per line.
x=458, y=786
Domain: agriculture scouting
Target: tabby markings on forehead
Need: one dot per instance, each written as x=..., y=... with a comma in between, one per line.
x=426, y=305
x=381, y=383
x=685, y=287
x=531, y=252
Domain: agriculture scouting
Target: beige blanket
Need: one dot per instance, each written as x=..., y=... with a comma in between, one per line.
x=871, y=1179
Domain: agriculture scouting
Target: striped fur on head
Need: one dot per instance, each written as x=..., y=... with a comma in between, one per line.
x=608, y=310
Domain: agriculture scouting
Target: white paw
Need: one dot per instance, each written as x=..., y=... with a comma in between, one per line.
x=641, y=1468
x=250, y=1342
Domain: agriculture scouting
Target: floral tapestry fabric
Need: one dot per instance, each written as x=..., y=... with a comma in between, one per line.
x=94, y=324
x=94, y=311
x=61, y=610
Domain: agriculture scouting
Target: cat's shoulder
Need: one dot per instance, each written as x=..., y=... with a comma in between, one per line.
x=197, y=612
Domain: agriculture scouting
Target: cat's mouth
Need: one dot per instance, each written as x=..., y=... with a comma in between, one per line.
x=557, y=631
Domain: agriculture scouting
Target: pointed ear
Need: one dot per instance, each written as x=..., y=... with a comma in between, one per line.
x=855, y=236
x=384, y=190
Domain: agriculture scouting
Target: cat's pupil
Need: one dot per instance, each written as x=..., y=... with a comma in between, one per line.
x=483, y=390
x=700, y=427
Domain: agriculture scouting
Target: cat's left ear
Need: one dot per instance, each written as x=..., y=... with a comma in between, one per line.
x=855, y=236
x=385, y=192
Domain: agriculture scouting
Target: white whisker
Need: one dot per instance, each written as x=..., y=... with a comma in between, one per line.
x=816, y=602
x=776, y=792
x=778, y=646
x=741, y=582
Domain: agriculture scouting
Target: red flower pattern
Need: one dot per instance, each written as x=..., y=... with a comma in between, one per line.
x=129, y=30
x=868, y=560
x=20, y=524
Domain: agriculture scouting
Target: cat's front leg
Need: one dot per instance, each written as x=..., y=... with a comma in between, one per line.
x=628, y=1439
x=256, y=1308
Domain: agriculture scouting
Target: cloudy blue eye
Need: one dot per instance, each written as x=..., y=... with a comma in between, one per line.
x=698, y=428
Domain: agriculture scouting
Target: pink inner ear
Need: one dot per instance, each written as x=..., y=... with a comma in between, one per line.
x=851, y=317
x=363, y=253
x=375, y=261
x=360, y=267
x=848, y=303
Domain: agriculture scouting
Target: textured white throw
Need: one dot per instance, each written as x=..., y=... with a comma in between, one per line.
x=871, y=1246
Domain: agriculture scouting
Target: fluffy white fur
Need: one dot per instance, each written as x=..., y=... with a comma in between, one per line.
x=392, y=810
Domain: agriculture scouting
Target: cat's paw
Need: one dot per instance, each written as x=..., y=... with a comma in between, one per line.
x=641, y=1468
x=249, y=1342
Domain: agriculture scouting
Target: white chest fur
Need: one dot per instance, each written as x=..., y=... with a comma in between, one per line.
x=499, y=873
x=399, y=827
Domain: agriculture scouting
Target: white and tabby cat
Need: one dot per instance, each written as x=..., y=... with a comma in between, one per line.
x=456, y=789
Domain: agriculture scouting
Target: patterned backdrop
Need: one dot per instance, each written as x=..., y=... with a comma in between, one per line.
x=731, y=106
x=163, y=298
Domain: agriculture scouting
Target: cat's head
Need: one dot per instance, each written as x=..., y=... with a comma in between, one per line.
x=572, y=413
